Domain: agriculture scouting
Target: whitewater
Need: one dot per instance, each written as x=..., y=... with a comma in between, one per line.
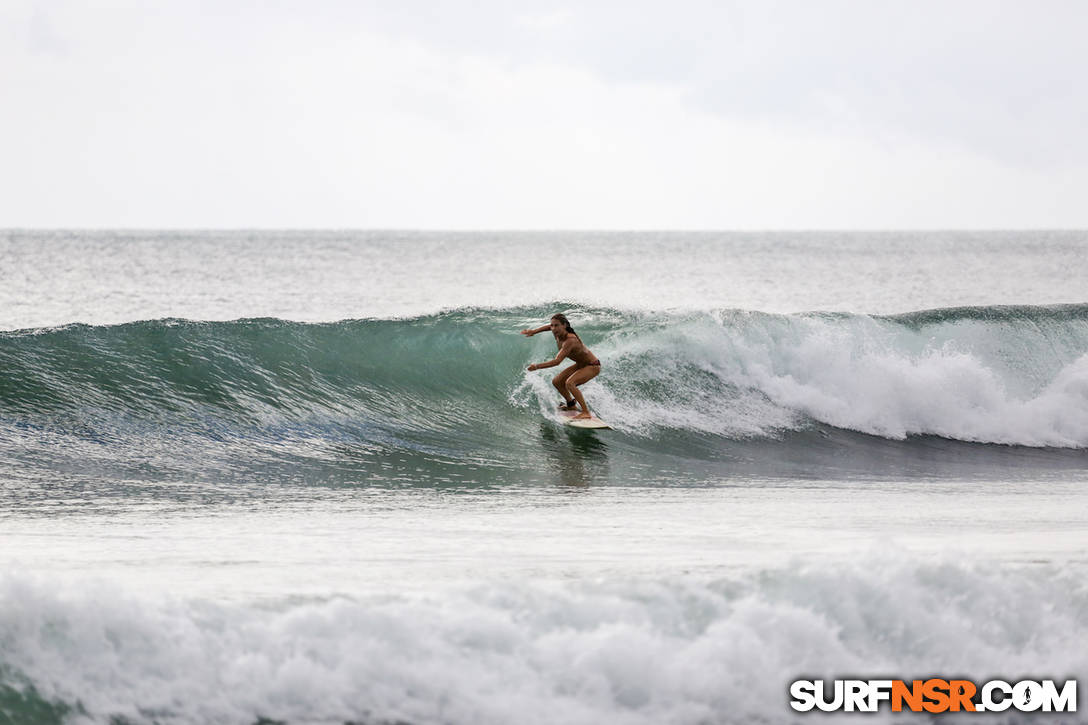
x=305, y=477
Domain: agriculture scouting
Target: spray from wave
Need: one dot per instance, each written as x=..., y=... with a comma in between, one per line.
x=1016, y=376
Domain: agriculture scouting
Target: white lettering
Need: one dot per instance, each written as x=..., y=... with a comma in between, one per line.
x=1027, y=696
x=879, y=690
x=821, y=696
x=1065, y=701
x=988, y=701
x=856, y=695
x=804, y=695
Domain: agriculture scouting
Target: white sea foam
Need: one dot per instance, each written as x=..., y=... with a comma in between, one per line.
x=677, y=650
x=751, y=374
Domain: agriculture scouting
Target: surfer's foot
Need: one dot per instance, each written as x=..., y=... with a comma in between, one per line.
x=582, y=416
x=570, y=405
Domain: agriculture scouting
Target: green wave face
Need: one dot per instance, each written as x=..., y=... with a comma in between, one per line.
x=22, y=703
x=453, y=387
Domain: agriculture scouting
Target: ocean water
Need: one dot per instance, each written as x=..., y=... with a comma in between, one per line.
x=305, y=477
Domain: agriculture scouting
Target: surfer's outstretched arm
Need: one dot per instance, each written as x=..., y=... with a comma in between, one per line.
x=530, y=333
x=549, y=364
x=552, y=363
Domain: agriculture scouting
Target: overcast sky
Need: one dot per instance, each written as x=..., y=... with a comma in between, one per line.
x=485, y=115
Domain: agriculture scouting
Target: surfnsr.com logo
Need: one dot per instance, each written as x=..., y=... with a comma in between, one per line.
x=933, y=695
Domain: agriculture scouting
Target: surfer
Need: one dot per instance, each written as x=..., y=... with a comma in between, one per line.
x=585, y=367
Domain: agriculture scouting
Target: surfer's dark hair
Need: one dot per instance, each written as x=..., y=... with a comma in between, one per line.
x=566, y=323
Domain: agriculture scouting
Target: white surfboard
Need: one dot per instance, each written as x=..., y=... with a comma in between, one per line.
x=592, y=422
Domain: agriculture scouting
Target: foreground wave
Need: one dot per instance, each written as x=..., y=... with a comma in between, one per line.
x=452, y=387
x=671, y=650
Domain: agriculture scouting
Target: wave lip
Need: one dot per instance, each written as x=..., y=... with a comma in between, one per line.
x=998, y=375
x=963, y=376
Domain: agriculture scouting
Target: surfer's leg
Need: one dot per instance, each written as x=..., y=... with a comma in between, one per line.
x=582, y=375
x=560, y=382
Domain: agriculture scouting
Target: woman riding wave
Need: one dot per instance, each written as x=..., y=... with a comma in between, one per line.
x=585, y=367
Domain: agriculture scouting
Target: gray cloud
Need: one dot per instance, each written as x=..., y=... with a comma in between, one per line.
x=1000, y=78
x=220, y=105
